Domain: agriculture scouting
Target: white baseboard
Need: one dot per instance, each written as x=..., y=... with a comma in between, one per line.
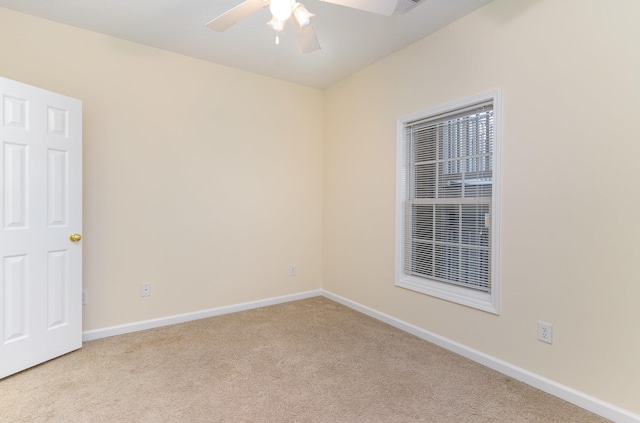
x=187, y=317
x=582, y=400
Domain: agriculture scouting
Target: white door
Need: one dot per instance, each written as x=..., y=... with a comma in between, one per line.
x=41, y=207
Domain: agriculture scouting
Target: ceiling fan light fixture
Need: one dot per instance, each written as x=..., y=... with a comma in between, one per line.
x=302, y=15
x=281, y=9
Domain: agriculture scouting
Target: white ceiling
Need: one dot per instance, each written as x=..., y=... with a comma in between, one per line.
x=350, y=39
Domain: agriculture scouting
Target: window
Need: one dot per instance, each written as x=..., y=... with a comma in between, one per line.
x=447, y=202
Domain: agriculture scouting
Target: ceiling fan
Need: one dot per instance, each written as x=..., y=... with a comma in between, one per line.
x=285, y=10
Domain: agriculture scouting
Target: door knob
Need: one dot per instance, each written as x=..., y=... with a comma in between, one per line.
x=75, y=237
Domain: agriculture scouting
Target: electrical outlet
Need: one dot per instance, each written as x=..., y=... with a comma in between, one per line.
x=545, y=332
x=145, y=290
x=84, y=297
x=292, y=270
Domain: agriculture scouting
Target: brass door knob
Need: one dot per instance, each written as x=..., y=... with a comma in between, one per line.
x=75, y=237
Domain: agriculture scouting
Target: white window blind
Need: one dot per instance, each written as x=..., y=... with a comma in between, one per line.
x=447, y=203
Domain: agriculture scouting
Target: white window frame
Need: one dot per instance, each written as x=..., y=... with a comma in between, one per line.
x=486, y=301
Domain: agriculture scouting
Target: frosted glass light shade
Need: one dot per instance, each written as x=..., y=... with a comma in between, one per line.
x=302, y=15
x=276, y=24
x=280, y=9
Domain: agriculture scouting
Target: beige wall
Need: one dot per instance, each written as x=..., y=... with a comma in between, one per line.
x=570, y=77
x=208, y=182
x=203, y=180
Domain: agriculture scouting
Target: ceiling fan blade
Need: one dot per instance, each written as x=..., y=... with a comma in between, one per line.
x=307, y=39
x=232, y=16
x=381, y=7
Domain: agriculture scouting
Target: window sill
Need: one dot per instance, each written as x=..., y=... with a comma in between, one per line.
x=464, y=296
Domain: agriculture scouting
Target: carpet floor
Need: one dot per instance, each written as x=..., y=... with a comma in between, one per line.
x=305, y=361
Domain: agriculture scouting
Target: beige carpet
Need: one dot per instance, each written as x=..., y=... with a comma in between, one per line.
x=305, y=361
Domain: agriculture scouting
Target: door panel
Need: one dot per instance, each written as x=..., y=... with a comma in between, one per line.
x=57, y=187
x=14, y=288
x=15, y=171
x=41, y=194
x=57, y=289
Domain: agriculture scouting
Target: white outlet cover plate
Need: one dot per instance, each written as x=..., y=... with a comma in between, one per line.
x=545, y=332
